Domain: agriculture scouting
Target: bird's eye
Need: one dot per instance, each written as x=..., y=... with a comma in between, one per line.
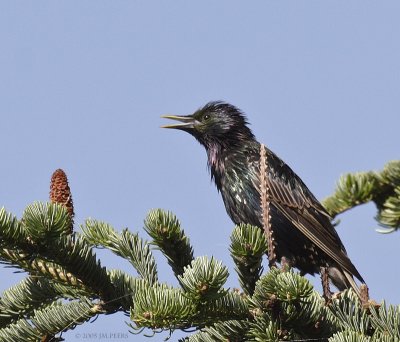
x=206, y=117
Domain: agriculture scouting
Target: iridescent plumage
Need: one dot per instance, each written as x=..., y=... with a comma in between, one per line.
x=302, y=228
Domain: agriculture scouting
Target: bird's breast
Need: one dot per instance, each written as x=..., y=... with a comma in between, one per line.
x=240, y=196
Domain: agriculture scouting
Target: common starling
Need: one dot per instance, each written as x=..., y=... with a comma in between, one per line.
x=303, y=232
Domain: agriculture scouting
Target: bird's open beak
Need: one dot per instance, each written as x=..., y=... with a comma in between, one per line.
x=187, y=122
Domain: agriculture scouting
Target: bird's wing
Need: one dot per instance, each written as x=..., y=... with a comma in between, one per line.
x=295, y=201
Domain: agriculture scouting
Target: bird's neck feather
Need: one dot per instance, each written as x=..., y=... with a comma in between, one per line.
x=219, y=151
x=216, y=163
x=218, y=156
x=215, y=160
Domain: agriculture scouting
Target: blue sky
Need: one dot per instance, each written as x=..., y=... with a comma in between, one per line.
x=83, y=86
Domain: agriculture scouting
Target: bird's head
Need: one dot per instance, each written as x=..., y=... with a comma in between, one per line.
x=216, y=124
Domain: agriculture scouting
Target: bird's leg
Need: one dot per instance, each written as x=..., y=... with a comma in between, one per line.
x=325, y=284
x=285, y=264
x=265, y=207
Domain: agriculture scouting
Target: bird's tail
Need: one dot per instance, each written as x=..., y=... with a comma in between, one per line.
x=352, y=283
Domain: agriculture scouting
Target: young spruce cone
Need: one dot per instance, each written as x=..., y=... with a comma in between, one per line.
x=61, y=193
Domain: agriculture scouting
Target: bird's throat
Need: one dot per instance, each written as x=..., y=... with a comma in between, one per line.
x=216, y=163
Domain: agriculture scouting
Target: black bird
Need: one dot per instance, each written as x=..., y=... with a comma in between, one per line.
x=302, y=228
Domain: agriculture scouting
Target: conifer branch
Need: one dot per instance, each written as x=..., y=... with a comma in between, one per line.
x=78, y=258
x=385, y=321
x=287, y=301
x=352, y=190
x=248, y=245
x=51, y=320
x=275, y=306
x=45, y=221
x=162, y=307
x=352, y=336
x=165, y=229
x=20, y=331
x=126, y=245
x=166, y=308
x=203, y=279
x=44, y=237
x=41, y=268
x=12, y=232
x=382, y=188
x=348, y=314
x=46, y=225
x=231, y=306
x=232, y=330
x=61, y=317
x=264, y=329
x=20, y=300
x=125, y=287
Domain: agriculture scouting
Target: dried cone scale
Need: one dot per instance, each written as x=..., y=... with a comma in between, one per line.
x=61, y=193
